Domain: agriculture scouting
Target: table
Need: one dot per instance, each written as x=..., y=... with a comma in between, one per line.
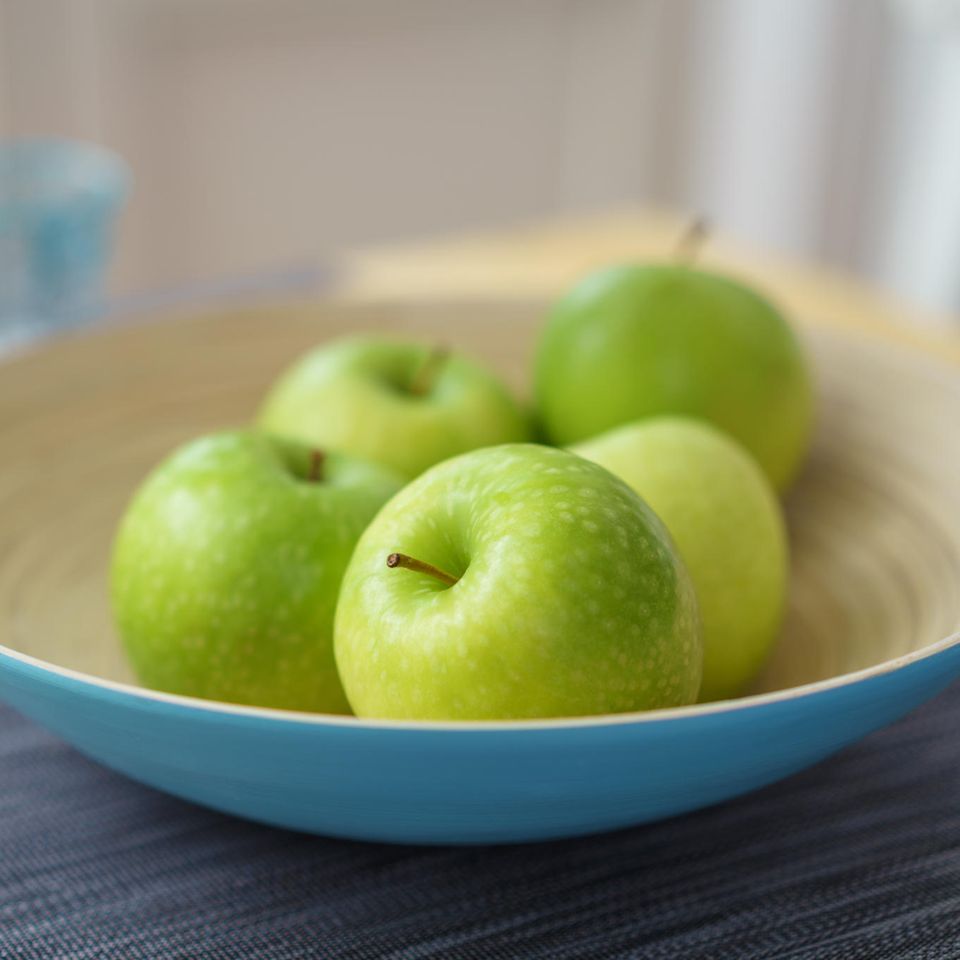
x=857, y=857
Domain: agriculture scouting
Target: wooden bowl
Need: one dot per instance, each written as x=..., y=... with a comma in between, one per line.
x=871, y=629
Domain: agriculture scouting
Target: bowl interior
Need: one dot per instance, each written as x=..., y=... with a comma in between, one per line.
x=874, y=518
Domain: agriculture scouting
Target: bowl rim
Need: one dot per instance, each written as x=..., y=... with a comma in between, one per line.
x=917, y=343
x=663, y=714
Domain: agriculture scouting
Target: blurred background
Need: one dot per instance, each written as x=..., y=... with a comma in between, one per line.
x=269, y=134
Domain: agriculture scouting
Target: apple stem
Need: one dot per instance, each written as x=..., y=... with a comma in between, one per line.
x=315, y=474
x=426, y=375
x=691, y=240
x=402, y=560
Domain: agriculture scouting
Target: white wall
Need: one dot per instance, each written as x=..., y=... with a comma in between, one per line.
x=916, y=247
x=267, y=133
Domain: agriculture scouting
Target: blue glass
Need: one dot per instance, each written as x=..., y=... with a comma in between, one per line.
x=59, y=200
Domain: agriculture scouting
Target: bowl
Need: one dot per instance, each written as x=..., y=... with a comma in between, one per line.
x=871, y=630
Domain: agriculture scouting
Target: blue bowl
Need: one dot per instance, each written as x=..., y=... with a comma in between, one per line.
x=490, y=783
x=870, y=633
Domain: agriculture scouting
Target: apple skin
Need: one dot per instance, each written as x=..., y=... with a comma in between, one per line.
x=727, y=523
x=571, y=599
x=354, y=395
x=635, y=341
x=227, y=565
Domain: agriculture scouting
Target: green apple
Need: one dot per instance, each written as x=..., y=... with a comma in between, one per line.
x=514, y=582
x=635, y=341
x=227, y=565
x=727, y=524
x=407, y=405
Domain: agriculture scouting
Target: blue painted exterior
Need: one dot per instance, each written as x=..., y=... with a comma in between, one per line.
x=474, y=784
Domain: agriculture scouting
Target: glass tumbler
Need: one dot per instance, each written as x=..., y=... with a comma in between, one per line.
x=59, y=200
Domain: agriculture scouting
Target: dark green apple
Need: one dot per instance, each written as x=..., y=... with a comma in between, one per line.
x=631, y=342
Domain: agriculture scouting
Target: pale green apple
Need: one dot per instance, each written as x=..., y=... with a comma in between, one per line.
x=727, y=524
x=404, y=404
x=227, y=565
x=635, y=341
x=512, y=582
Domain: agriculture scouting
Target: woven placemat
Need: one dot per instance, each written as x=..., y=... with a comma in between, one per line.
x=858, y=857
